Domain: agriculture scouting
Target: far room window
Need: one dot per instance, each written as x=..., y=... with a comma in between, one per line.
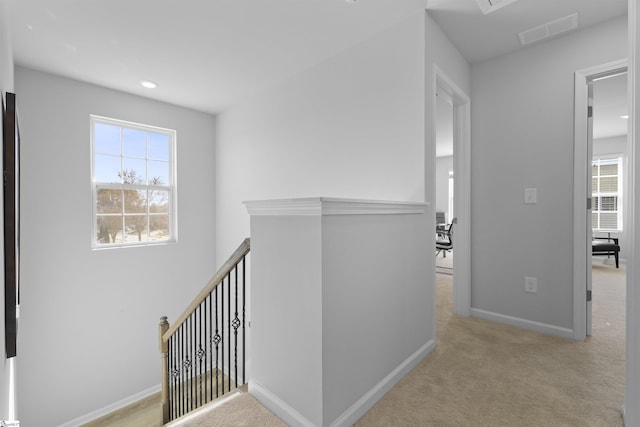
x=133, y=183
x=606, y=214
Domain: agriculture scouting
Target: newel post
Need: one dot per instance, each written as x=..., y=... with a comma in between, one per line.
x=164, y=353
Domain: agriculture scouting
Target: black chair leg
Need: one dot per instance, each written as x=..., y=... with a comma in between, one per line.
x=617, y=262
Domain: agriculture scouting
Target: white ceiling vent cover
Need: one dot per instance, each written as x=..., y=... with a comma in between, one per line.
x=549, y=29
x=488, y=6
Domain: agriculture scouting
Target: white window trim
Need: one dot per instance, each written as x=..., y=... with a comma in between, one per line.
x=172, y=188
x=620, y=192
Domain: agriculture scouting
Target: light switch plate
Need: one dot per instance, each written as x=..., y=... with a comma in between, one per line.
x=530, y=196
x=531, y=285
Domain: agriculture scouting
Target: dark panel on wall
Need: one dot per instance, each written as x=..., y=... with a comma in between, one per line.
x=11, y=169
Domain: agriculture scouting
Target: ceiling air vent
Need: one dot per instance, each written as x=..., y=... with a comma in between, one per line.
x=549, y=29
x=488, y=6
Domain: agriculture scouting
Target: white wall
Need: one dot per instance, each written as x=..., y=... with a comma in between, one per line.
x=286, y=313
x=443, y=166
x=613, y=145
x=522, y=136
x=6, y=85
x=441, y=52
x=350, y=127
x=330, y=332
x=88, y=332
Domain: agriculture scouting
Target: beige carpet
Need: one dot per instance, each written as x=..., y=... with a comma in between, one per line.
x=488, y=374
x=241, y=411
x=444, y=264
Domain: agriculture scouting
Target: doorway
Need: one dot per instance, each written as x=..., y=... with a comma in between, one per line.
x=447, y=93
x=601, y=197
x=445, y=183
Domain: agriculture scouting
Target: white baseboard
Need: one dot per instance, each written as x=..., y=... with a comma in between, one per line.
x=358, y=409
x=293, y=418
x=276, y=405
x=76, y=422
x=524, y=323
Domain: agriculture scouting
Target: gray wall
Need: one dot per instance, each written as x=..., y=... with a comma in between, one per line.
x=88, y=332
x=6, y=85
x=350, y=127
x=355, y=295
x=522, y=136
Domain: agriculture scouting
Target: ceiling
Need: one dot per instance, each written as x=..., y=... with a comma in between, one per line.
x=203, y=54
x=480, y=37
x=609, y=104
x=209, y=54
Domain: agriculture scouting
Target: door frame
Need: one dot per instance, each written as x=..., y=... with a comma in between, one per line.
x=462, y=187
x=581, y=248
x=631, y=411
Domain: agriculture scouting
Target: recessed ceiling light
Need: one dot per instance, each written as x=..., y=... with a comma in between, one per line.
x=489, y=6
x=351, y=1
x=148, y=84
x=626, y=116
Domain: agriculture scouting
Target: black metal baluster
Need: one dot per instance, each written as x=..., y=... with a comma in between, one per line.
x=206, y=349
x=176, y=365
x=183, y=368
x=185, y=383
x=200, y=352
x=194, y=364
x=195, y=358
x=217, y=340
x=222, y=330
x=229, y=331
x=169, y=369
x=243, y=320
x=190, y=351
x=175, y=376
x=236, y=324
x=188, y=364
x=211, y=348
x=192, y=333
x=172, y=363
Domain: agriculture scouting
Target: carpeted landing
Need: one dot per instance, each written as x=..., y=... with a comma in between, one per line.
x=487, y=374
x=242, y=410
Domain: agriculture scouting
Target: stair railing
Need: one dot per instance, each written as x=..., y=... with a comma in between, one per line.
x=203, y=352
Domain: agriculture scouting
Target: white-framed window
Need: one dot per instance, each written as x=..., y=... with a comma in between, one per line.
x=134, y=183
x=606, y=188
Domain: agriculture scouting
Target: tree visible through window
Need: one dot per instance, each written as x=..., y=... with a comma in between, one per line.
x=133, y=183
x=606, y=214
